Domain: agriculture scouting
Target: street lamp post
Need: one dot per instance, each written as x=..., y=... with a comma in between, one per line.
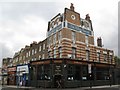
x=110, y=77
x=90, y=74
x=110, y=80
x=90, y=81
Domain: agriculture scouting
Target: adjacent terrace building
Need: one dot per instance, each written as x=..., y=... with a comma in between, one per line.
x=0, y=76
x=5, y=64
x=68, y=54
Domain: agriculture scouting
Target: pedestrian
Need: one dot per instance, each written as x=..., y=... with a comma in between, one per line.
x=20, y=83
x=58, y=83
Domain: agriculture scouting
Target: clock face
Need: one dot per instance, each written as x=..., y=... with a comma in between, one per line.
x=73, y=17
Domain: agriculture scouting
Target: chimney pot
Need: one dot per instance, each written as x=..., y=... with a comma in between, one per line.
x=99, y=42
x=72, y=7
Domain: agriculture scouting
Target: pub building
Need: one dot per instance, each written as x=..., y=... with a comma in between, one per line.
x=11, y=75
x=72, y=57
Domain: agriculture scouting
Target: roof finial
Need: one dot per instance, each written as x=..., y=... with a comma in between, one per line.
x=87, y=17
x=72, y=7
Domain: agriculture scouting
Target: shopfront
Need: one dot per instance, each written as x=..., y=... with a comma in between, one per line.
x=71, y=73
x=11, y=75
x=4, y=76
x=22, y=75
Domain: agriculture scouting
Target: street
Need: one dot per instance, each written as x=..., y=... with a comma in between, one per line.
x=82, y=88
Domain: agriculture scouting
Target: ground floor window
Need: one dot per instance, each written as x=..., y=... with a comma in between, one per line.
x=70, y=72
x=32, y=72
x=43, y=72
x=40, y=72
x=84, y=72
x=74, y=72
x=77, y=72
x=102, y=73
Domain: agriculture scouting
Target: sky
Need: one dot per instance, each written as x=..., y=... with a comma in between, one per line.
x=25, y=21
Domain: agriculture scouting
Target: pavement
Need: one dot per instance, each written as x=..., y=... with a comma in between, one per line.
x=113, y=87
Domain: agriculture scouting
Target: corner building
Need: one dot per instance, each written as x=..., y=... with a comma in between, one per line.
x=72, y=57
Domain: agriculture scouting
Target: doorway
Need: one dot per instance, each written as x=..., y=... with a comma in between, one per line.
x=57, y=78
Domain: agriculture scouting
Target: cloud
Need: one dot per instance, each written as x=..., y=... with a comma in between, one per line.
x=5, y=51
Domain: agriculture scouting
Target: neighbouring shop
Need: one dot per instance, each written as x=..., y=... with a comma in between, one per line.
x=4, y=76
x=22, y=75
x=11, y=75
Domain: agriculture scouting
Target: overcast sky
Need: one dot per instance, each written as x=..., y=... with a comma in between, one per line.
x=22, y=22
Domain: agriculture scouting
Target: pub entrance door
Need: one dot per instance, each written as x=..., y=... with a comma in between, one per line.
x=58, y=81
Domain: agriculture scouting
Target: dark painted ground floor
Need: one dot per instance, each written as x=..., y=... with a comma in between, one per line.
x=70, y=73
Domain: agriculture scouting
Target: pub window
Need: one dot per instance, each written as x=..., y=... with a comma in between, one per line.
x=105, y=57
x=58, y=21
x=102, y=73
x=60, y=52
x=40, y=73
x=54, y=39
x=70, y=73
x=43, y=72
x=59, y=36
x=73, y=36
x=52, y=24
x=87, y=55
x=77, y=72
x=98, y=56
x=47, y=72
x=73, y=53
x=33, y=72
x=84, y=72
x=86, y=39
x=54, y=52
x=49, y=41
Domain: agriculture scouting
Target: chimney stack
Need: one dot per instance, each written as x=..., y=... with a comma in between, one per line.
x=99, y=42
x=72, y=7
x=87, y=17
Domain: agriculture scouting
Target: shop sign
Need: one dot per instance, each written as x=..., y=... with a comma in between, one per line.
x=57, y=61
x=11, y=69
x=40, y=62
x=23, y=69
x=58, y=69
x=74, y=62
